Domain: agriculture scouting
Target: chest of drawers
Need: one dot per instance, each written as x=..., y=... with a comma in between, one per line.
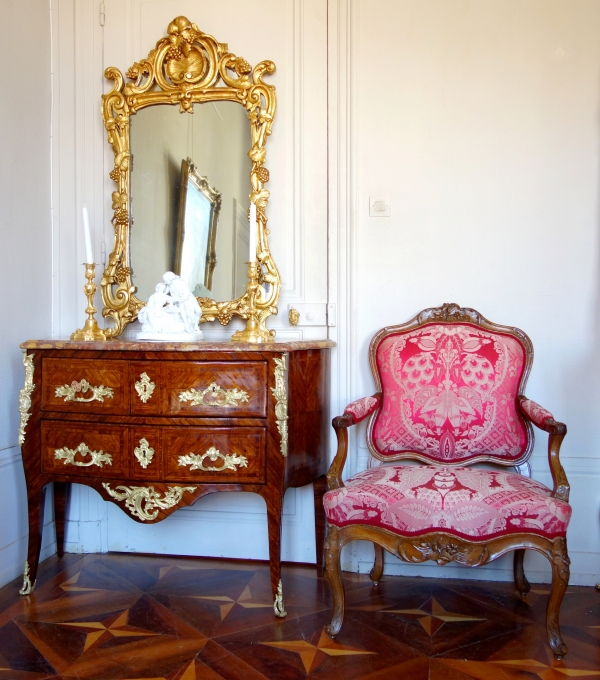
x=153, y=427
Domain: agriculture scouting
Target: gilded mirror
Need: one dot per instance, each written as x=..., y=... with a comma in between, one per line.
x=184, y=182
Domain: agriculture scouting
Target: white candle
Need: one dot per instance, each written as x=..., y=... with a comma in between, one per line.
x=253, y=233
x=89, y=253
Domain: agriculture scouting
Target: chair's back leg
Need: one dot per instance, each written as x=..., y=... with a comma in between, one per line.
x=333, y=573
x=560, y=561
x=520, y=579
x=377, y=571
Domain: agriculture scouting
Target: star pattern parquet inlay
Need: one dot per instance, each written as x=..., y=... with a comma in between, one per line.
x=121, y=617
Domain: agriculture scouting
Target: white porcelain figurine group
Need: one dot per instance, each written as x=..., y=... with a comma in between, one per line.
x=171, y=313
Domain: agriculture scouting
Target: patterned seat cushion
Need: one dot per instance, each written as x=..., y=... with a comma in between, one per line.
x=469, y=503
x=450, y=393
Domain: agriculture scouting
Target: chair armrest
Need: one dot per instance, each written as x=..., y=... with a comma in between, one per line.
x=353, y=413
x=543, y=419
x=361, y=408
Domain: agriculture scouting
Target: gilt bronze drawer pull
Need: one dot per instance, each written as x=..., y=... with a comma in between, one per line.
x=230, y=462
x=144, y=387
x=145, y=502
x=68, y=455
x=144, y=453
x=69, y=391
x=214, y=395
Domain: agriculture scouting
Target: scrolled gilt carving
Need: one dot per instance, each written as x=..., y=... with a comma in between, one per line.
x=27, y=588
x=186, y=67
x=278, y=604
x=69, y=392
x=214, y=395
x=281, y=402
x=196, y=461
x=145, y=502
x=96, y=457
x=25, y=396
x=144, y=387
x=442, y=549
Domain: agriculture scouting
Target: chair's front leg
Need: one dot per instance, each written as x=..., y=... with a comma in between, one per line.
x=334, y=576
x=560, y=561
x=377, y=571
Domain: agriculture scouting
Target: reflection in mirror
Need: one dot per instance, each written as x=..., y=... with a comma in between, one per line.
x=199, y=208
x=216, y=137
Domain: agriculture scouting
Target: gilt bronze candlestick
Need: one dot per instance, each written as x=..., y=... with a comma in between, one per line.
x=90, y=332
x=255, y=331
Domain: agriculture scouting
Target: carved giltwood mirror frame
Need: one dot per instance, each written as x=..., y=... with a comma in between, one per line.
x=188, y=67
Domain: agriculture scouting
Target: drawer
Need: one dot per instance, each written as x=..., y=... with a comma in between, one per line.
x=215, y=455
x=85, y=386
x=88, y=450
x=212, y=389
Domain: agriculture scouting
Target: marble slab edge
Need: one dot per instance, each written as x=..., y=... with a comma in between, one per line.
x=203, y=346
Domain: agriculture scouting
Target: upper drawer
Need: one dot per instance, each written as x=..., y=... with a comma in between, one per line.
x=85, y=386
x=213, y=389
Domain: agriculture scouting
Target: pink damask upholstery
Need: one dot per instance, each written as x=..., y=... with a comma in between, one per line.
x=450, y=392
x=469, y=503
x=536, y=413
x=361, y=408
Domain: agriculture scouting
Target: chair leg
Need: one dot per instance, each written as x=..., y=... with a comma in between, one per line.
x=560, y=561
x=377, y=571
x=334, y=576
x=520, y=579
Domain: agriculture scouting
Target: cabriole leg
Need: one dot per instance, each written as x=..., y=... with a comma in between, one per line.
x=377, y=571
x=35, y=506
x=274, y=511
x=560, y=561
x=520, y=579
x=334, y=576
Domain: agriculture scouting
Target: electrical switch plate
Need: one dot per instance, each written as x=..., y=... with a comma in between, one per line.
x=380, y=206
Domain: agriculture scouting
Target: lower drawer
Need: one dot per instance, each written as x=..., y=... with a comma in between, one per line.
x=213, y=455
x=230, y=455
x=89, y=450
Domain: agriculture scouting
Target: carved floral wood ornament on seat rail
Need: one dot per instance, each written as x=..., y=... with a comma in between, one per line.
x=188, y=67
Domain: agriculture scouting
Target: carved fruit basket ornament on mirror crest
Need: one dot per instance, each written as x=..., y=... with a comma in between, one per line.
x=188, y=67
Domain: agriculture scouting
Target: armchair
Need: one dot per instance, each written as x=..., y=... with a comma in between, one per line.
x=449, y=394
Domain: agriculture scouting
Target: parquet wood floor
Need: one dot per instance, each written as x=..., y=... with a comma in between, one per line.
x=112, y=617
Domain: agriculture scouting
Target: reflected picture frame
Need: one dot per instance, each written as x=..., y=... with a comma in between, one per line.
x=197, y=221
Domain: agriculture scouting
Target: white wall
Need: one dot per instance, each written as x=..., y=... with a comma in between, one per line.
x=480, y=119
x=25, y=255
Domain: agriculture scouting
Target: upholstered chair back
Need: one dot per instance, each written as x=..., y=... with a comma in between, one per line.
x=449, y=382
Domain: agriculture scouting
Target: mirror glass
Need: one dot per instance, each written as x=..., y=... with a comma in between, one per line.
x=190, y=186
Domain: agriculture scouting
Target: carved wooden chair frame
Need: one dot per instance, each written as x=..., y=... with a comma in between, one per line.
x=440, y=546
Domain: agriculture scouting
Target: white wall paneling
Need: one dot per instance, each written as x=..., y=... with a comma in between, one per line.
x=480, y=121
x=26, y=253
